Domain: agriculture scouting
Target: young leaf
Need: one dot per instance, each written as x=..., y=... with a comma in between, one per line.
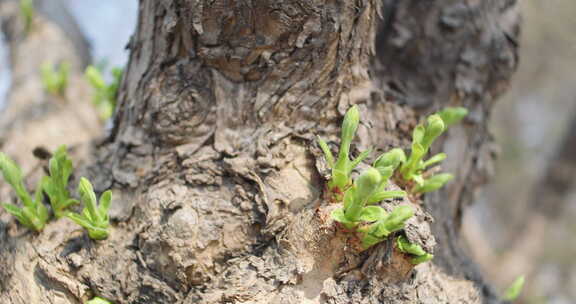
x=27, y=13
x=382, y=228
x=384, y=195
x=386, y=173
x=349, y=197
x=327, y=153
x=338, y=215
x=434, y=160
x=55, y=78
x=392, y=158
x=105, y=95
x=410, y=167
x=342, y=167
x=13, y=177
x=433, y=183
x=422, y=258
x=88, y=197
x=33, y=214
x=434, y=128
x=104, y=204
x=95, y=78
x=372, y=214
x=513, y=292
x=369, y=240
x=418, y=134
x=405, y=246
x=349, y=127
x=364, y=186
x=418, y=179
x=395, y=220
x=358, y=160
x=15, y=211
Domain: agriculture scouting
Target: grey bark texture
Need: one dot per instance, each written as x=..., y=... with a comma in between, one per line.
x=218, y=183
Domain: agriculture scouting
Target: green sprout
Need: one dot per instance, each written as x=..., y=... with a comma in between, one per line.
x=55, y=79
x=513, y=292
x=93, y=218
x=358, y=212
x=412, y=168
x=405, y=246
x=56, y=184
x=98, y=300
x=343, y=166
x=34, y=214
x=27, y=13
x=384, y=224
x=105, y=95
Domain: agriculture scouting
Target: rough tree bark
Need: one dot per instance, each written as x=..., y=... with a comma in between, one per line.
x=218, y=182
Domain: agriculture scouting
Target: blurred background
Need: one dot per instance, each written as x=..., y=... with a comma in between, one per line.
x=522, y=222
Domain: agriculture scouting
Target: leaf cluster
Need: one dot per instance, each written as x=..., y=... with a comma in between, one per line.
x=360, y=196
x=94, y=217
x=56, y=184
x=34, y=215
x=413, y=168
x=105, y=94
x=55, y=78
x=343, y=166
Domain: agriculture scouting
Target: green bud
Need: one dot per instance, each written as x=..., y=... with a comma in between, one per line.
x=434, y=128
x=453, y=115
x=367, y=183
x=392, y=158
x=350, y=124
x=364, y=186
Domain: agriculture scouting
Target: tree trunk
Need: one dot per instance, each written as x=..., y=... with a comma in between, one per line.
x=217, y=178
